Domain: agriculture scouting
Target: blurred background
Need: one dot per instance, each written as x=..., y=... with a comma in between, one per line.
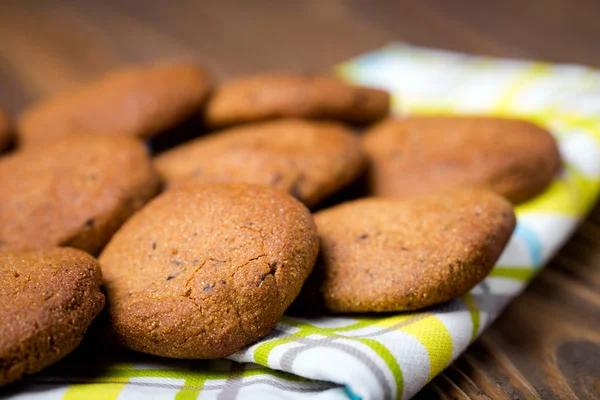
x=49, y=45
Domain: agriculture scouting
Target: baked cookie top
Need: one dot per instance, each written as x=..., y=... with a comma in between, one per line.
x=75, y=192
x=382, y=254
x=262, y=97
x=309, y=160
x=204, y=270
x=136, y=101
x=47, y=301
x=419, y=155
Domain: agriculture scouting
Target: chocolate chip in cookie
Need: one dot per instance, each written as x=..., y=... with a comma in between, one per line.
x=204, y=270
x=384, y=254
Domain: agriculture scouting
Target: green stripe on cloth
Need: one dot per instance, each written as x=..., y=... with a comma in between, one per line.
x=471, y=304
x=522, y=274
x=191, y=388
x=390, y=361
x=361, y=323
x=262, y=352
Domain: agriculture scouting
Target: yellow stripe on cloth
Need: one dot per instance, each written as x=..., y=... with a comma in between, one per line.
x=262, y=352
x=571, y=196
x=436, y=339
x=506, y=100
x=94, y=391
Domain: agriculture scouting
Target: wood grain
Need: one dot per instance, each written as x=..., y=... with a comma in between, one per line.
x=547, y=343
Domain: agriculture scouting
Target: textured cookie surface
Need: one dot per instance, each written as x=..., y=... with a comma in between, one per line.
x=205, y=270
x=380, y=254
x=76, y=192
x=309, y=160
x=5, y=134
x=421, y=155
x=47, y=301
x=293, y=95
x=137, y=102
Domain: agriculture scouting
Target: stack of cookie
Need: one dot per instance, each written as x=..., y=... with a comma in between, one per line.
x=202, y=247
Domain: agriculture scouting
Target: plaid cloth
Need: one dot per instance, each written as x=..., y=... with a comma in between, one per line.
x=389, y=355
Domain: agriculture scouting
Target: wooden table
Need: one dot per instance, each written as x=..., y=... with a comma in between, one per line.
x=547, y=342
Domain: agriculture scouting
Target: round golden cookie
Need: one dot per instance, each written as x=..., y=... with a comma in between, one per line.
x=139, y=102
x=5, y=131
x=76, y=192
x=420, y=155
x=47, y=301
x=382, y=254
x=309, y=160
x=262, y=97
x=204, y=270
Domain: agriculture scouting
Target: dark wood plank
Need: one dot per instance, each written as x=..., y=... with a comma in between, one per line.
x=547, y=342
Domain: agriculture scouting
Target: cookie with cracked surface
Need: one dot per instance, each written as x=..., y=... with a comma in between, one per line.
x=75, y=192
x=5, y=131
x=309, y=160
x=138, y=101
x=263, y=97
x=204, y=270
x=383, y=254
x=420, y=155
x=48, y=298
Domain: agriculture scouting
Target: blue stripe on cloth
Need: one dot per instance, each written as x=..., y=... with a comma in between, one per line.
x=531, y=241
x=351, y=394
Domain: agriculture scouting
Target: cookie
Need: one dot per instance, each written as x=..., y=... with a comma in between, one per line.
x=262, y=97
x=75, y=192
x=5, y=131
x=48, y=298
x=309, y=160
x=420, y=155
x=139, y=102
x=383, y=254
x=204, y=270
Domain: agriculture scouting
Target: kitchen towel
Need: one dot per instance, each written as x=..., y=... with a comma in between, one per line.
x=388, y=356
